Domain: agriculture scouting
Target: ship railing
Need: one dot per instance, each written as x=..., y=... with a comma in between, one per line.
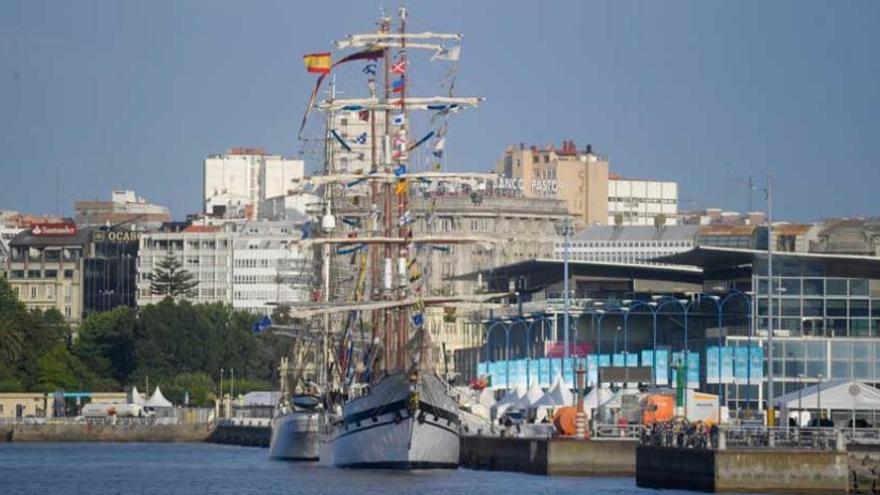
x=615, y=431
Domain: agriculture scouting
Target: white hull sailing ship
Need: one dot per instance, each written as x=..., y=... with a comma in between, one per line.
x=389, y=409
x=296, y=424
x=296, y=436
x=399, y=425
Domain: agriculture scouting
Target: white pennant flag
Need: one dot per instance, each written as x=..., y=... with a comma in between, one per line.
x=438, y=147
x=452, y=54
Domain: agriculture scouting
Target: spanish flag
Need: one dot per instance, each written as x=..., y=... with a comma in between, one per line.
x=319, y=63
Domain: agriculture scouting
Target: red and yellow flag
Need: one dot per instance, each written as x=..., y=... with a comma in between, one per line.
x=319, y=63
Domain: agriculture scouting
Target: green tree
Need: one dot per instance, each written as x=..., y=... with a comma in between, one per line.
x=106, y=343
x=12, y=314
x=171, y=279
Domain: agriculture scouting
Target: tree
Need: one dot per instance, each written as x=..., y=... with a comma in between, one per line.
x=171, y=279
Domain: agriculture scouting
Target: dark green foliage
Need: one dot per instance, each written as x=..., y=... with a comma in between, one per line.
x=171, y=279
x=178, y=345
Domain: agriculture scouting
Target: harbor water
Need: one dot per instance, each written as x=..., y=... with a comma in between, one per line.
x=192, y=469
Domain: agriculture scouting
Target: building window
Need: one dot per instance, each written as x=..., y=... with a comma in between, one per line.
x=34, y=274
x=17, y=274
x=68, y=273
x=50, y=274
x=67, y=311
x=33, y=292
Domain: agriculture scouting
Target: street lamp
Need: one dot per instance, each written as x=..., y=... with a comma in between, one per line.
x=616, y=332
x=800, y=377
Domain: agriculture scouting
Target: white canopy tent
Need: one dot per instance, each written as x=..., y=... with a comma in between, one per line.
x=135, y=397
x=834, y=395
x=533, y=395
x=486, y=398
x=596, y=398
x=158, y=400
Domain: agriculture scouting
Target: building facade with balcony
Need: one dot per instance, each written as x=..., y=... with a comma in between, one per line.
x=47, y=271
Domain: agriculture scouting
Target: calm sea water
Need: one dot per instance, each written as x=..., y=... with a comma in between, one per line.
x=190, y=469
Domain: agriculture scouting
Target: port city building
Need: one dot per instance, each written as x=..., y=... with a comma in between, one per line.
x=824, y=315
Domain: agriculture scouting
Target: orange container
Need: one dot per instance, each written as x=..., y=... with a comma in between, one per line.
x=565, y=420
x=658, y=407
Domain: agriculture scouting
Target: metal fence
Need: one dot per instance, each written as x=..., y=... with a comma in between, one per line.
x=760, y=437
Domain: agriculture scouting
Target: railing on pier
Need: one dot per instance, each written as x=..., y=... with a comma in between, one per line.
x=610, y=431
x=759, y=437
x=254, y=422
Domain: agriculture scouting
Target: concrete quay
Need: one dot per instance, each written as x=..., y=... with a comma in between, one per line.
x=776, y=470
x=243, y=432
x=550, y=456
x=100, y=432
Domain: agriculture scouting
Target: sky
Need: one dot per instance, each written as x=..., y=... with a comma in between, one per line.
x=96, y=95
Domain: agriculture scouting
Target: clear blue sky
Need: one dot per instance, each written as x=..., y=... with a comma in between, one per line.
x=135, y=94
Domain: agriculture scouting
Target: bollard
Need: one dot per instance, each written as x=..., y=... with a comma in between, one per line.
x=722, y=439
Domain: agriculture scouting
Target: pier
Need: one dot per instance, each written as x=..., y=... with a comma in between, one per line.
x=779, y=460
x=246, y=432
x=611, y=454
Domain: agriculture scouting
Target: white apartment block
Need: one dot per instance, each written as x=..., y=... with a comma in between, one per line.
x=252, y=266
x=269, y=269
x=639, y=202
x=631, y=244
x=206, y=252
x=249, y=173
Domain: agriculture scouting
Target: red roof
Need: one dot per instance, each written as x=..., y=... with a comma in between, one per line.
x=202, y=228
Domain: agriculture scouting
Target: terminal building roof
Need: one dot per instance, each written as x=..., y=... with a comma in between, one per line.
x=638, y=233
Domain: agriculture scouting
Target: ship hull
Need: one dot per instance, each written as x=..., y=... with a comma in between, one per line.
x=392, y=429
x=295, y=436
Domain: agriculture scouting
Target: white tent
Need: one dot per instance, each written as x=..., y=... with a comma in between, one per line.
x=835, y=395
x=486, y=398
x=596, y=397
x=135, y=397
x=158, y=400
x=533, y=395
x=561, y=393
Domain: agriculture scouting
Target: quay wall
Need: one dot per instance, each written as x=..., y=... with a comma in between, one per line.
x=87, y=432
x=743, y=470
x=570, y=457
x=557, y=456
x=246, y=436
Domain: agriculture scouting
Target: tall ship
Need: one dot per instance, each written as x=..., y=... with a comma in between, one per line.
x=297, y=419
x=387, y=405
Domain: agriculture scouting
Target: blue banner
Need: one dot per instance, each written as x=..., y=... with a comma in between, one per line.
x=544, y=365
x=604, y=360
x=618, y=360
x=568, y=377
x=632, y=360
x=693, y=367
x=592, y=370
x=534, y=372
x=662, y=372
x=757, y=363
x=727, y=358
x=482, y=369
